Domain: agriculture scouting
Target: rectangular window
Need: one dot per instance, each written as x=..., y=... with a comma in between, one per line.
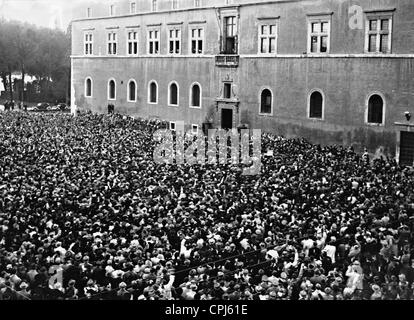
x=197, y=3
x=154, y=41
x=88, y=43
x=173, y=126
x=133, y=7
x=267, y=38
x=227, y=91
x=154, y=6
x=319, y=35
x=194, y=129
x=132, y=44
x=174, y=4
x=197, y=40
x=378, y=33
x=230, y=35
x=174, y=41
x=112, y=10
x=88, y=12
x=112, y=43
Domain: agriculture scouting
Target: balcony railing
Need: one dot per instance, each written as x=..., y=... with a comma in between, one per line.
x=227, y=60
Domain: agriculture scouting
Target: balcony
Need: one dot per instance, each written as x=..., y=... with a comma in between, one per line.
x=227, y=60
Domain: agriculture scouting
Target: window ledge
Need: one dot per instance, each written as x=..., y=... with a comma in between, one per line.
x=268, y=115
x=314, y=54
x=375, y=124
x=377, y=53
x=268, y=55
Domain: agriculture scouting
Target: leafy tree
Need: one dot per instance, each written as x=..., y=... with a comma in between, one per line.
x=8, y=53
x=39, y=52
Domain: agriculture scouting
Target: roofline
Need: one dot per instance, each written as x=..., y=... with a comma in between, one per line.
x=129, y=15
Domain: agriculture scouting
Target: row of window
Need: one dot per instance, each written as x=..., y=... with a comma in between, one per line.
x=196, y=38
x=175, y=4
x=316, y=106
x=378, y=36
x=173, y=92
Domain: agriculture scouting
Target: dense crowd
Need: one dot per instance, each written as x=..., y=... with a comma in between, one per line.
x=85, y=213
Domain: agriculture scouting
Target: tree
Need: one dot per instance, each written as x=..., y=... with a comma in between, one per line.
x=27, y=47
x=8, y=62
x=40, y=52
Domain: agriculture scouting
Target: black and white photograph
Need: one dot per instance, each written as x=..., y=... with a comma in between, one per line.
x=206, y=155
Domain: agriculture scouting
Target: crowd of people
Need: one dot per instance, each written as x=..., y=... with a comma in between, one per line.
x=86, y=213
x=11, y=105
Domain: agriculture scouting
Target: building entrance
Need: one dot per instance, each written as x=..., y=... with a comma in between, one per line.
x=407, y=148
x=227, y=119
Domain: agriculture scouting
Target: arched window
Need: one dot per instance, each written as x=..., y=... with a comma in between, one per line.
x=266, y=102
x=195, y=96
x=316, y=105
x=132, y=91
x=88, y=87
x=173, y=94
x=153, y=92
x=111, y=90
x=375, y=109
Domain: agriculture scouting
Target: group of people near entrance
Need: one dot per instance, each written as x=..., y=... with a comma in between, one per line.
x=11, y=105
x=85, y=213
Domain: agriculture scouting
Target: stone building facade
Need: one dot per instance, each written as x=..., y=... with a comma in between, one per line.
x=332, y=71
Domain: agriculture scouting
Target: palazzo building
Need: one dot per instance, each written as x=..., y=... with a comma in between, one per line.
x=332, y=71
